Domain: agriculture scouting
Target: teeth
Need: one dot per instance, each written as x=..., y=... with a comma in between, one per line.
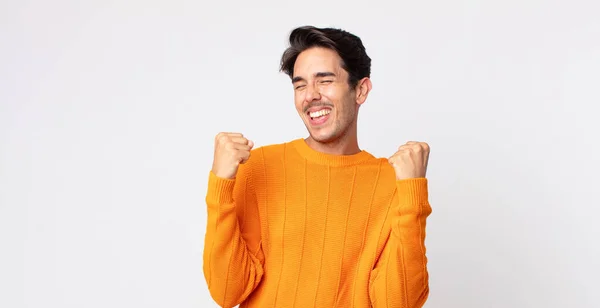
x=319, y=113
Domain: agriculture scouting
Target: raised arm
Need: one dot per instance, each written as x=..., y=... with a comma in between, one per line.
x=233, y=258
x=400, y=277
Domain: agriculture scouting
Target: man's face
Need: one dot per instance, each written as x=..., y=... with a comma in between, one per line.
x=323, y=97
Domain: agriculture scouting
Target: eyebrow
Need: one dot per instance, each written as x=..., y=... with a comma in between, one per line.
x=317, y=75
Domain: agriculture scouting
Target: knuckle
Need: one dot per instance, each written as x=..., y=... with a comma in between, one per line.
x=221, y=137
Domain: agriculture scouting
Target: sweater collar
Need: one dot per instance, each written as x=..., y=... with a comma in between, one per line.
x=329, y=159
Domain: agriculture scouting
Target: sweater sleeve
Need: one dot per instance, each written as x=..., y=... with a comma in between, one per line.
x=400, y=277
x=232, y=257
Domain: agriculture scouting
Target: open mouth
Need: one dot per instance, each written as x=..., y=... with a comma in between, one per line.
x=319, y=117
x=316, y=115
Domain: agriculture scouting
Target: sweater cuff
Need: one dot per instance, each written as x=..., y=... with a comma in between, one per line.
x=413, y=191
x=220, y=189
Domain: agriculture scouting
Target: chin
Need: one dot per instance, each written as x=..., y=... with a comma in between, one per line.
x=322, y=136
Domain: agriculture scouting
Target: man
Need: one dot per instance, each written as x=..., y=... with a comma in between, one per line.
x=318, y=222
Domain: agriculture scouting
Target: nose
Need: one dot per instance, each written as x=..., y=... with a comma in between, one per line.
x=312, y=93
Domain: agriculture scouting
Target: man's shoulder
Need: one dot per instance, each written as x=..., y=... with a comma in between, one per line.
x=264, y=153
x=273, y=148
x=263, y=156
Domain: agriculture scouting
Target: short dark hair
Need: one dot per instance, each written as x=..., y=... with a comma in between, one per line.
x=347, y=45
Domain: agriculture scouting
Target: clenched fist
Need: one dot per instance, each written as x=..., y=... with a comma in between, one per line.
x=231, y=150
x=410, y=161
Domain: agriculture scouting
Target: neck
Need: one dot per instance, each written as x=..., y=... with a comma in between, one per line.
x=347, y=144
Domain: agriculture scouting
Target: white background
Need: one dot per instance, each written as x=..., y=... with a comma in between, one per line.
x=108, y=111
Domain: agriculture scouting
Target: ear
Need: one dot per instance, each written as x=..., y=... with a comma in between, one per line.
x=362, y=90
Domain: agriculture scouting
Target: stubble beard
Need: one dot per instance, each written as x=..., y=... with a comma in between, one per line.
x=339, y=129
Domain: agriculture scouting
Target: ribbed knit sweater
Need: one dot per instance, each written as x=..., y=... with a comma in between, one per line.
x=301, y=228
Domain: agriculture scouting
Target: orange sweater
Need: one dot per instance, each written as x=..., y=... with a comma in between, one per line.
x=300, y=228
